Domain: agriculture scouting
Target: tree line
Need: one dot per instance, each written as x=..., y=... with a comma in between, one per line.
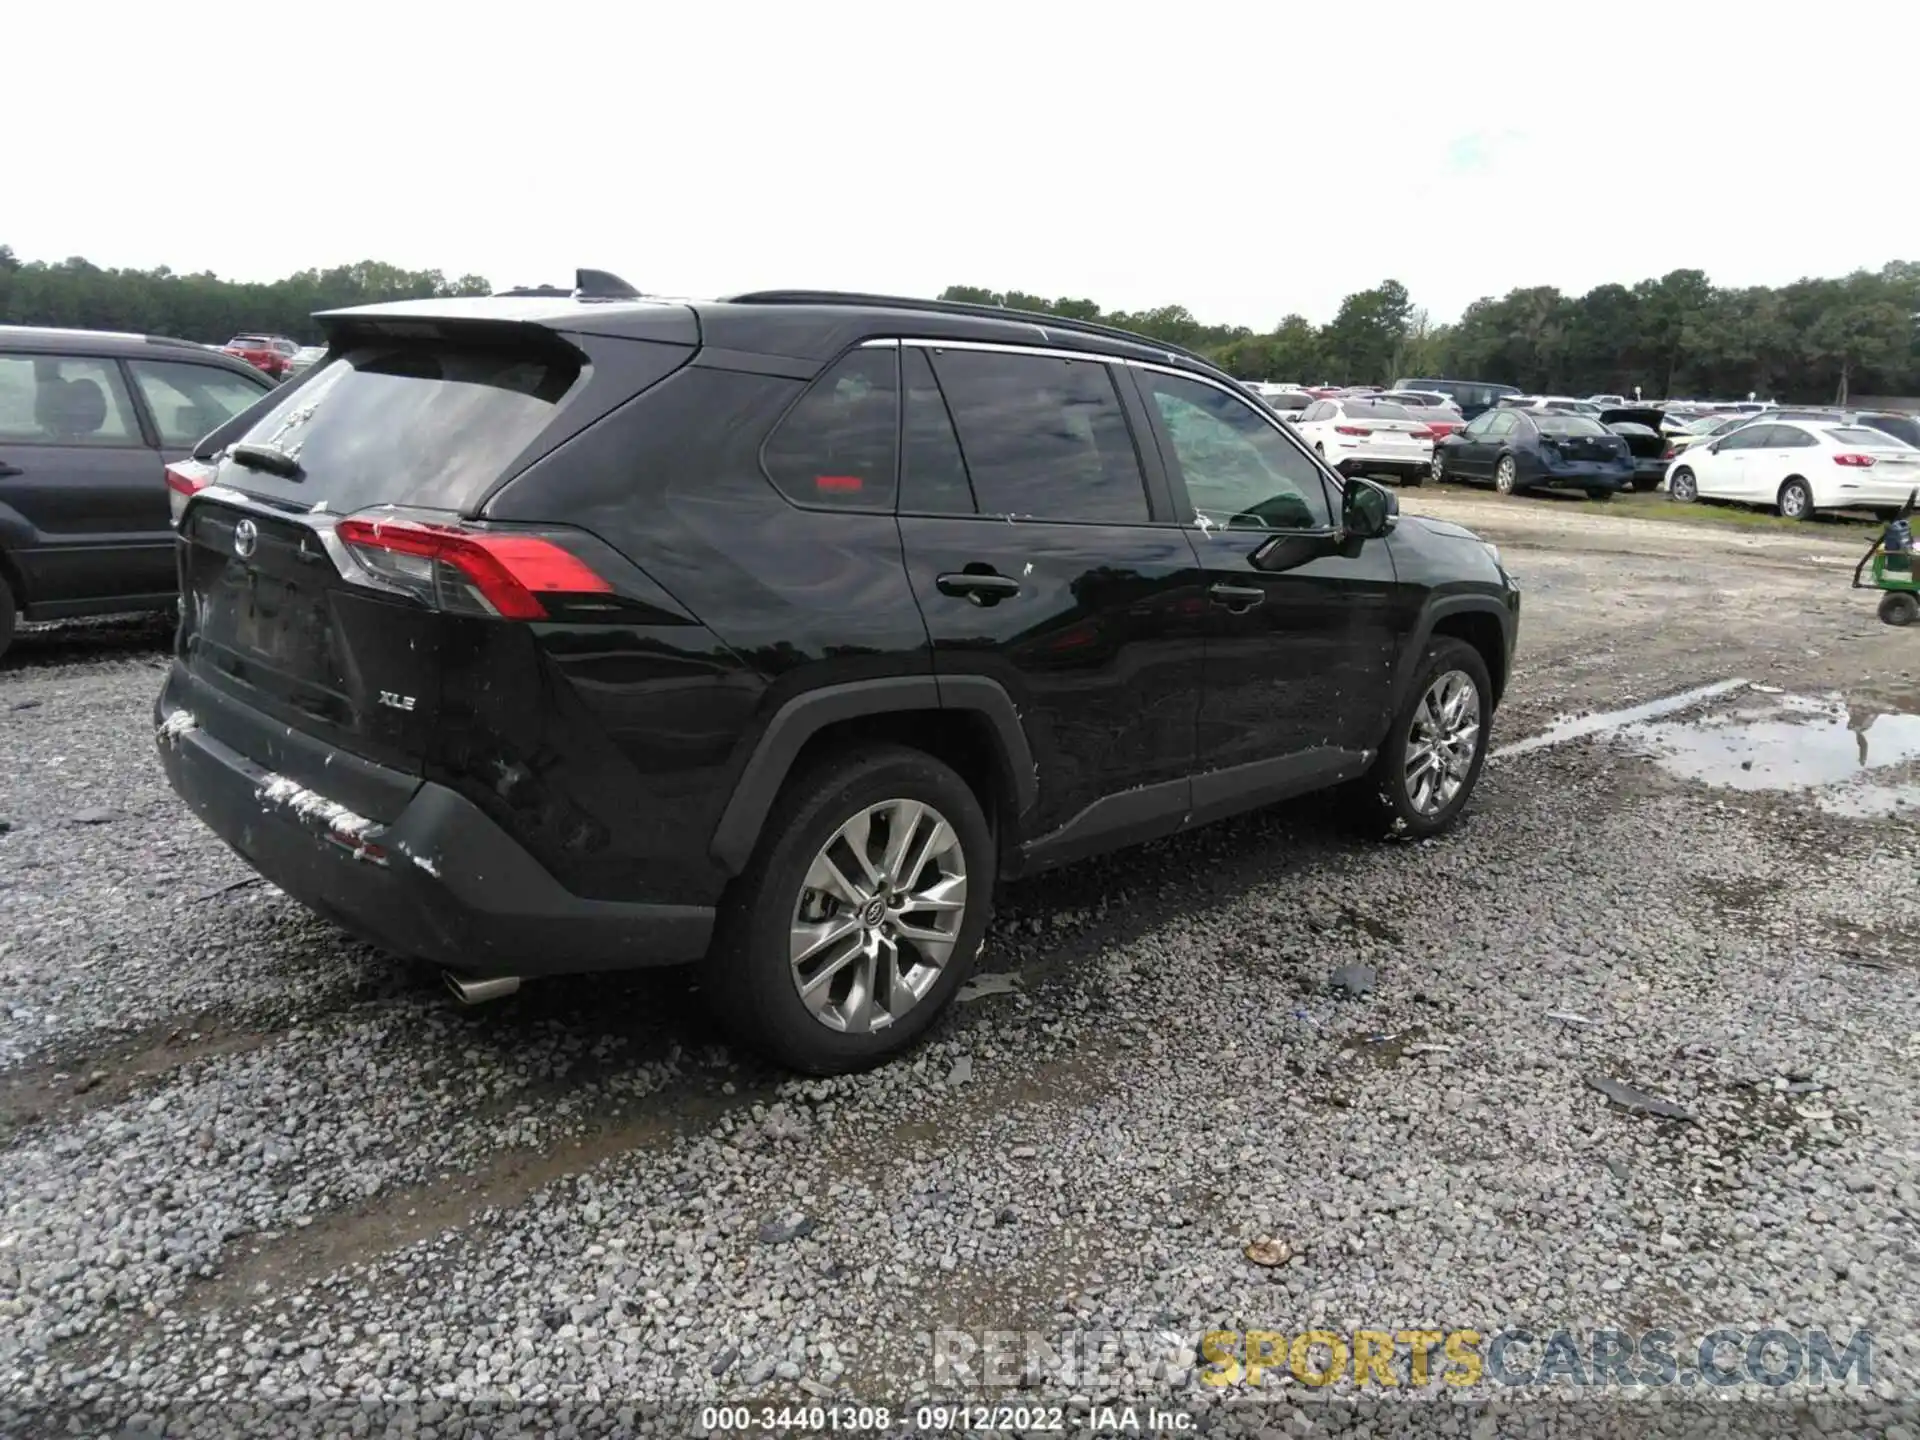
x=80, y=295
x=1812, y=340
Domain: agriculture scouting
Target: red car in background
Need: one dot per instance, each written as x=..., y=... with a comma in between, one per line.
x=270, y=354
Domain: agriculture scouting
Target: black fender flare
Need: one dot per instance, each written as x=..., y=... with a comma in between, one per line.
x=804, y=716
x=1431, y=614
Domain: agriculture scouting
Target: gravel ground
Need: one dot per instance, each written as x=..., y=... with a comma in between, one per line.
x=251, y=1169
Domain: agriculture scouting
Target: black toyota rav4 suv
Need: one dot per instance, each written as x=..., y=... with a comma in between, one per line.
x=538, y=634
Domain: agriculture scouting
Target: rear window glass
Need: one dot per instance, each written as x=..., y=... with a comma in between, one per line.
x=1290, y=400
x=1378, y=410
x=1859, y=435
x=427, y=424
x=254, y=342
x=1555, y=422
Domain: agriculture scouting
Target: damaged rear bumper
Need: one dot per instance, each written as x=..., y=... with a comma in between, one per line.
x=440, y=881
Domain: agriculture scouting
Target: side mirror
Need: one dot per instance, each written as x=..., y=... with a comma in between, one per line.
x=1714, y=448
x=1367, y=510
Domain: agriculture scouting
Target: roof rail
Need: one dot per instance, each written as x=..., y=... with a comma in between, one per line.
x=960, y=307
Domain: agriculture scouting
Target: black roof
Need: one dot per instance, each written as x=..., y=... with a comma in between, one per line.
x=813, y=325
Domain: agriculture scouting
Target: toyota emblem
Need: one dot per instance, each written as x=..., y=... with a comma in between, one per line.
x=246, y=535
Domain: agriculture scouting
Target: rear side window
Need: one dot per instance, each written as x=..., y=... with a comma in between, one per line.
x=433, y=424
x=836, y=447
x=187, y=400
x=64, y=400
x=933, y=477
x=1043, y=437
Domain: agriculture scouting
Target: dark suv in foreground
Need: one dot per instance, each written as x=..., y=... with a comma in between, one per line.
x=531, y=635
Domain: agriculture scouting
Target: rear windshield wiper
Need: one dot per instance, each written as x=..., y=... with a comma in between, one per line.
x=270, y=458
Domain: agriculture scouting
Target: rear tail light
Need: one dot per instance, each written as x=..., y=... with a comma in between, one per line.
x=1669, y=452
x=1853, y=461
x=185, y=479
x=1351, y=430
x=469, y=572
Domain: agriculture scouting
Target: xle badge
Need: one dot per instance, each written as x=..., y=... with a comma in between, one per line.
x=396, y=702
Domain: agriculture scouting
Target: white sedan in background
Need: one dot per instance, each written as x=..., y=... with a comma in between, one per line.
x=1798, y=469
x=1360, y=436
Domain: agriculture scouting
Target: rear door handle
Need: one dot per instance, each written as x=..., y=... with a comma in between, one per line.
x=987, y=589
x=1237, y=598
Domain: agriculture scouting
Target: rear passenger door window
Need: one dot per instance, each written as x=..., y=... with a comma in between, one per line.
x=1043, y=438
x=933, y=476
x=64, y=400
x=188, y=400
x=1238, y=470
x=835, y=449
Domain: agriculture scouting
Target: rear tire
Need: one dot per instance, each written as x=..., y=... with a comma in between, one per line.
x=1796, y=500
x=1899, y=607
x=9, y=615
x=1683, y=488
x=753, y=981
x=1414, y=479
x=1387, y=800
x=1506, y=475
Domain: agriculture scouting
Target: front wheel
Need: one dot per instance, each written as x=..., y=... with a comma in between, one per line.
x=1431, y=760
x=1505, y=474
x=1900, y=607
x=1683, y=488
x=1796, y=500
x=859, y=914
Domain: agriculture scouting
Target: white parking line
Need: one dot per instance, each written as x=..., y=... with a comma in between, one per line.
x=1577, y=729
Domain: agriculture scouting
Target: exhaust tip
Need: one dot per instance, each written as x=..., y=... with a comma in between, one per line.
x=478, y=992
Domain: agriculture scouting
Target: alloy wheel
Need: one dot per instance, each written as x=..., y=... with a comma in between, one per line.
x=1438, y=467
x=878, y=915
x=1683, y=488
x=1503, y=475
x=1795, y=501
x=1442, y=742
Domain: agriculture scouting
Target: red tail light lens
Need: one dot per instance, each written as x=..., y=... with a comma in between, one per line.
x=185, y=479
x=1351, y=430
x=1669, y=452
x=467, y=571
x=1853, y=460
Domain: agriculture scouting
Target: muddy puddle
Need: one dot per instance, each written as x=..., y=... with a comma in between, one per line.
x=1855, y=758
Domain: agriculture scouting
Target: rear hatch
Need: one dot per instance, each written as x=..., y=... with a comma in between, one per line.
x=336, y=539
x=1640, y=429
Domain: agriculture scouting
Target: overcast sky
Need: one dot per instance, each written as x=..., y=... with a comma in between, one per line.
x=1243, y=160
